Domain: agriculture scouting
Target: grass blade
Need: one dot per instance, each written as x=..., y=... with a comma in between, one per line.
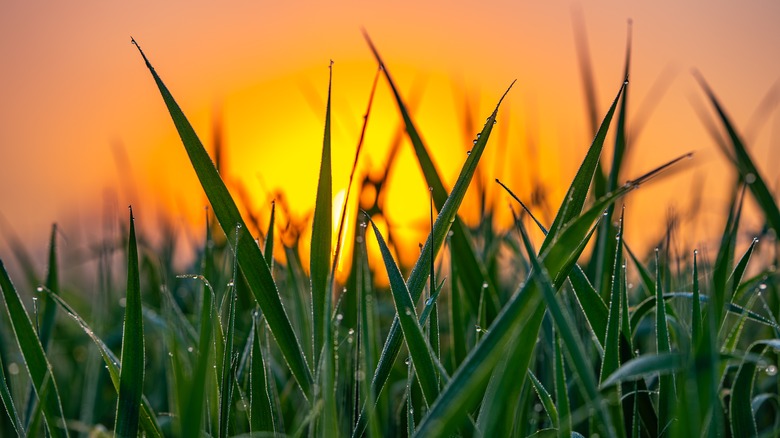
x=250, y=259
x=644, y=366
x=611, y=359
x=268, y=248
x=35, y=360
x=261, y=414
x=322, y=229
x=666, y=390
x=743, y=423
x=419, y=349
x=131, y=376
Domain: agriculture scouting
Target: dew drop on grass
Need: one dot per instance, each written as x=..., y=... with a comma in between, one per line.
x=122, y=302
x=408, y=311
x=406, y=362
x=771, y=370
x=231, y=283
x=39, y=289
x=429, y=301
x=13, y=368
x=538, y=407
x=339, y=317
x=762, y=286
x=474, y=142
x=484, y=285
x=478, y=328
x=411, y=410
x=468, y=152
x=750, y=178
x=190, y=349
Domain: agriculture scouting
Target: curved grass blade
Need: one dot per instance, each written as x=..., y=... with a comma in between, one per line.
x=740, y=407
x=8, y=402
x=422, y=357
x=611, y=359
x=643, y=366
x=35, y=360
x=696, y=304
x=148, y=418
x=131, y=376
x=417, y=278
x=739, y=271
x=261, y=414
x=52, y=284
x=250, y=259
x=561, y=389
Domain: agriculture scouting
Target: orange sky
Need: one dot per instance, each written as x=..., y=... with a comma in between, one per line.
x=73, y=89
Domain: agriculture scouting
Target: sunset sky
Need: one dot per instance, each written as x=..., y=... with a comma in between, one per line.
x=76, y=99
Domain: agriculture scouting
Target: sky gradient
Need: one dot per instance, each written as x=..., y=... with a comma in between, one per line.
x=83, y=128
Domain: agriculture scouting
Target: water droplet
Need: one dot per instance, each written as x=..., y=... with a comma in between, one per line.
x=538, y=407
x=450, y=233
x=429, y=301
x=478, y=328
x=479, y=134
x=170, y=354
x=35, y=300
x=762, y=286
x=231, y=283
x=344, y=290
x=406, y=361
x=771, y=370
x=359, y=239
x=13, y=368
x=339, y=317
x=351, y=331
x=474, y=142
x=408, y=311
x=696, y=252
x=484, y=285
x=750, y=178
x=411, y=410
x=468, y=152
x=39, y=289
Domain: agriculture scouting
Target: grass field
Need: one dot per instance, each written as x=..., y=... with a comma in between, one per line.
x=492, y=332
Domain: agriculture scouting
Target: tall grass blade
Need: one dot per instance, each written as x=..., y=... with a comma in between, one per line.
x=268, y=247
x=35, y=360
x=666, y=389
x=611, y=359
x=261, y=414
x=322, y=229
x=52, y=284
x=739, y=271
x=250, y=259
x=131, y=376
x=561, y=389
x=696, y=305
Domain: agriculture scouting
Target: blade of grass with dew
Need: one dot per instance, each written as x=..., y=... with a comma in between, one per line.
x=261, y=415
x=666, y=390
x=193, y=409
x=744, y=163
x=524, y=309
x=743, y=422
x=228, y=359
x=572, y=343
x=148, y=418
x=35, y=359
x=645, y=366
x=419, y=349
x=547, y=401
x=561, y=389
x=250, y=258
x=8, y=403
x=131, y=375
x=417, y=279
x=696, y=304
x=322, y=230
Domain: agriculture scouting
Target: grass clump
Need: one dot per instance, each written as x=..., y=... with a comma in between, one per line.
x=243, y=345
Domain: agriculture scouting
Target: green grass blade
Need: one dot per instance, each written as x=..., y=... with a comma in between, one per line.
x=743, y=422
x=193, y=409
x=52, y=284
x=148, y=418
x=666, y=390
x=644, y=366
x=261, y=414
x=322, y=231
x=422, y=357
x=8, y=402
x=228, y=368
x=419, y=275
x=696, y=304
x=561, y=389
x=611, y=359
x=35, y=360
x=131, y=376
x=744, y=163
x=739, y=271
x=547, y=401
x=250, y=258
